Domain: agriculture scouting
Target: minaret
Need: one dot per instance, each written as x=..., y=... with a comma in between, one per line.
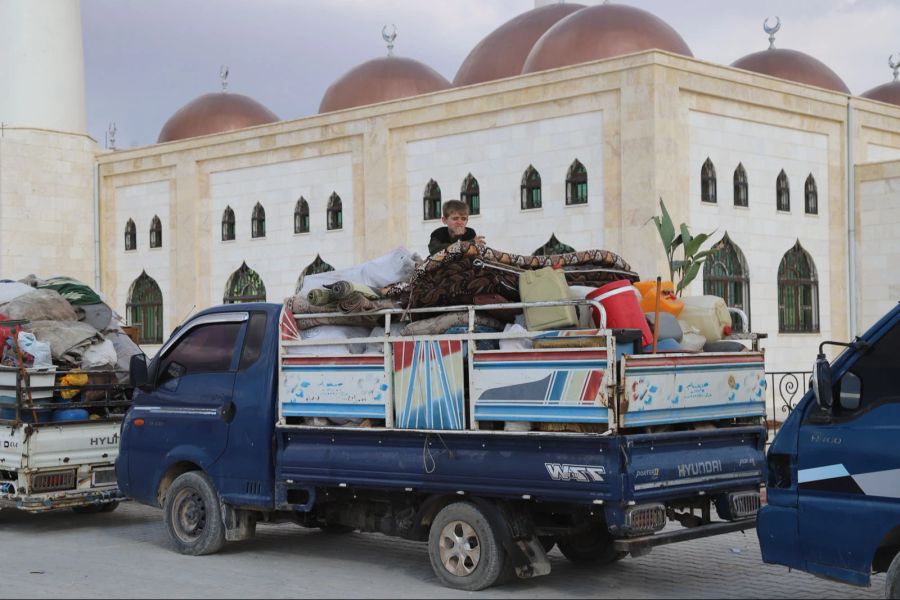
x=47, y=159
x=42, y=65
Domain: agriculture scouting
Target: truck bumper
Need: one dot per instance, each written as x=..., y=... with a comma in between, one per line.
x=638, y=546
x=39, y=503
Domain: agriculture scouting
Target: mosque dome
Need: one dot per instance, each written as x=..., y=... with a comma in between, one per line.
x=380, y=80
x=215, y=113
x=602, y=31
x=502, y=52
x=886, y=92
x=794, y=66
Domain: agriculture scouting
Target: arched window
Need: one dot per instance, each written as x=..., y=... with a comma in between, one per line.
x=227, y=224
x=531, y=188
x=741, y=192
x=258, y=222
x=576, y=184
x=470, y=193
x=798, y=292
x=553, y=246
x=335, y=212
x=155, y=233
x=130, y=235
x=144, y=309
x=725, y=274
x=708, y=182
x=244, y=285
x=811, y=196
x=301, y=216
x=316, y=266
x=431, y=201
x=783, y=192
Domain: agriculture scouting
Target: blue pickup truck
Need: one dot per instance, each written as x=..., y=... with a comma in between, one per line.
x=492, y=455
x=834, y=467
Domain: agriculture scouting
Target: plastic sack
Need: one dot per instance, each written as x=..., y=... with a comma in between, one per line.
x=515, y=343
x=101, y=355
x=39, y=350
x=397, y=265
x=40, y=305
x=331, y=332
x=10, y=290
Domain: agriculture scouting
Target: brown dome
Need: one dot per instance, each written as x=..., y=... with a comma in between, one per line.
x=215, y=113
x=602, y=31
x=794, y=66
x=888, y=92
x=380, y=80
x=503, y=52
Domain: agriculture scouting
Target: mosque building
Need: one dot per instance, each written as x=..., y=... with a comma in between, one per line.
x=563, y=127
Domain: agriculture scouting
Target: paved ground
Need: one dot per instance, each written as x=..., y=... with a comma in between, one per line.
x=126, y=554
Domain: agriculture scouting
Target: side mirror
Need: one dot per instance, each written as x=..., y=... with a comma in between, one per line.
x=850, y=392
x=137, y=369
x=821, y=381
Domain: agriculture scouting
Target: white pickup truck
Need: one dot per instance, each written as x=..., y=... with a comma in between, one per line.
x=56, y=452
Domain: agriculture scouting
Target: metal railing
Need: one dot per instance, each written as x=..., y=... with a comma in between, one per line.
x=786, y=389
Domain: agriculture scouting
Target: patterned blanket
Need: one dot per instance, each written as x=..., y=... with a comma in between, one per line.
x=462, y=271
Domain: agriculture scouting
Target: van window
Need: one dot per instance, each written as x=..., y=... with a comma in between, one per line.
x=204, y=349
x=875, y=370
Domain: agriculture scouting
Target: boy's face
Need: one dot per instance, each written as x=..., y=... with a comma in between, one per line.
x=456, y=223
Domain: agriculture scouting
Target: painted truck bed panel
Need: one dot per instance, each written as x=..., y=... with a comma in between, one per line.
x=700, y=387
x=336, y=386
x=429, y=384
x=568, y=386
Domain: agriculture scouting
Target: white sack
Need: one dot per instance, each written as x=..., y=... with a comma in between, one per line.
x=331, y=332
x=39, y=350
x=10, y=290
x=397, y=265
x=515, y=343
x=101, y=355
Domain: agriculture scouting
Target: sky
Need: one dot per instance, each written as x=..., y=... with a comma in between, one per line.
x=145, y=59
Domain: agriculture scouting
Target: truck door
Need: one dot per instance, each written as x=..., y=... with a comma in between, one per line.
x=849, y=465
x=186, y=415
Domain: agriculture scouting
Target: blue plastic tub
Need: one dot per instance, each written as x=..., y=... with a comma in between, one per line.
x=70, y=414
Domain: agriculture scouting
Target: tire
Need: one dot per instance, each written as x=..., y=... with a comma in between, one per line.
x=109, y=507
x=892, y=581
x=193, y=515
x=592, y=547
x=465, y=550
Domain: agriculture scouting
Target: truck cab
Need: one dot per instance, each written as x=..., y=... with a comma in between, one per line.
x=834, y=468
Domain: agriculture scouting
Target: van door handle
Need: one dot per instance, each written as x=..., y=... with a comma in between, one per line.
x=227, y=411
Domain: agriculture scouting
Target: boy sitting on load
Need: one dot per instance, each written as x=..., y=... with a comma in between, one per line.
x=455, y=217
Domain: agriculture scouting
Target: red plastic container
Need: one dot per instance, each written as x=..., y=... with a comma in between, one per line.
x=623, y=311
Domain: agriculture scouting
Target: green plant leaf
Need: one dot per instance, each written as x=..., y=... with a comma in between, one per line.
x=677, y=265
x=666, y=228
x=686, y=236
x=691, y=248
x=689, y=276
x=705, y=253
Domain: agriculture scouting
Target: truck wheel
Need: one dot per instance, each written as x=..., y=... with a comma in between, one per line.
x=193, y=516
x=594, y=547
x=109, y=507
x=892, y=581
x=465, y=551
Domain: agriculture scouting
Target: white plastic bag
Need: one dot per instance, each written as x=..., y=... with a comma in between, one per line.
x=39, y=350
x=515, y=343
x=101, y=355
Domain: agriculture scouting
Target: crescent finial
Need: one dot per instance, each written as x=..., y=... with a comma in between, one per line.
x=894, y=63
x=223, y=75
x=772, y=30
x=389, y=37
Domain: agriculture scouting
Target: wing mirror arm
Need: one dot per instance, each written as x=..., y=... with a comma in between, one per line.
x=821, y=375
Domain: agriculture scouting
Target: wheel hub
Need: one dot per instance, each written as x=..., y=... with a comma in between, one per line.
x=460, y=549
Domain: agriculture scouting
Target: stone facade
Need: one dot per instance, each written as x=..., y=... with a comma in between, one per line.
x=641, y=124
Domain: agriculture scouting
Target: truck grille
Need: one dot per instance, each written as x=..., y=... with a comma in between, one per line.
x=743, y=504
x=646, y=518
x=103, y=477
x=53, y=482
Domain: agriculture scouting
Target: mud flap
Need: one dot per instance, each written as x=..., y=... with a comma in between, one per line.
x=239, y=524
x=539, y=563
